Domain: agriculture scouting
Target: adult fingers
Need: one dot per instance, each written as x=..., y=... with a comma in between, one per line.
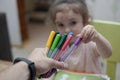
x=57, y=64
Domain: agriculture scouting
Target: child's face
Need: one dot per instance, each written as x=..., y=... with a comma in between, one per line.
x=69, y=21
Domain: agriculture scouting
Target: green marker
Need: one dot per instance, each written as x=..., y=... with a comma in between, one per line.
x=55, y=42
x=62, y=40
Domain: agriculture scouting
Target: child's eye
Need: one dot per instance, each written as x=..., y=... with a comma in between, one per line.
x=60, y=25
x=73, y=23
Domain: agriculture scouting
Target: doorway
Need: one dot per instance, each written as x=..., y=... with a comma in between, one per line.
x=32, y=15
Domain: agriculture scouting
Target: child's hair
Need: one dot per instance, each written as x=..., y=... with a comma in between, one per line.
x=77, y=6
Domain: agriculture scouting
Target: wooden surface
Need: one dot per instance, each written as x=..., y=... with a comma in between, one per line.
x=22, y=19
x=4, y=65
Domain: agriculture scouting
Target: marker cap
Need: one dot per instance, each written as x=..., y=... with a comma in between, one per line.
x=50, y=39
x=55, y=42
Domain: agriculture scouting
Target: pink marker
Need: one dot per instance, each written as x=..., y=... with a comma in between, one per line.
x=57, y=57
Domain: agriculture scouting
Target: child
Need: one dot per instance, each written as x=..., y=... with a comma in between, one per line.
x=72, y=16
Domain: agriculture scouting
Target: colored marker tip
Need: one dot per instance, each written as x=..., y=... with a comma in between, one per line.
x=71, y=33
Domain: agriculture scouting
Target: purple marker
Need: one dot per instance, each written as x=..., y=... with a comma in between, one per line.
x=69, y=52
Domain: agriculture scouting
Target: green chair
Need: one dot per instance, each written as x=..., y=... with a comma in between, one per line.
x=111, y=30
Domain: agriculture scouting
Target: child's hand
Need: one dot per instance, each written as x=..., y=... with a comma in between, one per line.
x=88, y=33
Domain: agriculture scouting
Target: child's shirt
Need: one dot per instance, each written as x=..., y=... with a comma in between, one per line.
x=85, y=58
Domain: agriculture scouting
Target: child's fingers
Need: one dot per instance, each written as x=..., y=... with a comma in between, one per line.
x=89, y=38
x=81, y=33
x=87, y=34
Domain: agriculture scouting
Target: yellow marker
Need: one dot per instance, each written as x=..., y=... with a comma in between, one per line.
x=49, y=42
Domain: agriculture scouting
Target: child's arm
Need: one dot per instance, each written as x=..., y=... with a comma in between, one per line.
x=104, y=48
x=89, y=33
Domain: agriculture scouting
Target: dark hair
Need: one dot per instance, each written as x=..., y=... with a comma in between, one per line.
x=78, y=6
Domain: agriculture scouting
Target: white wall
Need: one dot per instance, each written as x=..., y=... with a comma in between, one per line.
x=105, y=9
x=10, y=8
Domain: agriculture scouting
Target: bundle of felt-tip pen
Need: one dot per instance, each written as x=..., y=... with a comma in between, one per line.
x=56, y=46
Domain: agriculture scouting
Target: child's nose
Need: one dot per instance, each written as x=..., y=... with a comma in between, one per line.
x=67, y=30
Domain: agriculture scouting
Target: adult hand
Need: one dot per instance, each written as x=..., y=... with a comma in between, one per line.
x=43, y=63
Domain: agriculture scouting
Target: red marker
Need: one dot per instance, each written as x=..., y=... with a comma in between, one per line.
x=63, y=47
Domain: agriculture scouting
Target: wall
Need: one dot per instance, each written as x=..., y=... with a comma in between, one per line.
x=10, y=8
x=105, y=9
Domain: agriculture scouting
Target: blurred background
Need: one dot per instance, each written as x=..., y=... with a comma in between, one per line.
x=22, y=28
